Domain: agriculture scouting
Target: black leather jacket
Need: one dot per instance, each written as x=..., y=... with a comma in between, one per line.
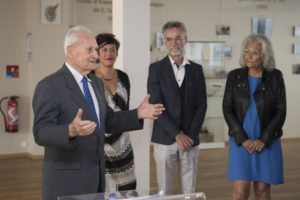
x=270, y=99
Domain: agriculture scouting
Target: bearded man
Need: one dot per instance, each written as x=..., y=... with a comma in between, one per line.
x=180, y=85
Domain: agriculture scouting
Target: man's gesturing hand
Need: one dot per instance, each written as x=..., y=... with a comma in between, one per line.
x=149, y=111
x=80, y=127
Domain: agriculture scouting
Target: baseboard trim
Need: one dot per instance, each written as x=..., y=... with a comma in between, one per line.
x=212, y=145
x=22, y=155
x=35, y=157
x=290, y=139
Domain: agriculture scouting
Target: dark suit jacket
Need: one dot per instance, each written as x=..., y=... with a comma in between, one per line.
x=163, y=88
x=73, y=166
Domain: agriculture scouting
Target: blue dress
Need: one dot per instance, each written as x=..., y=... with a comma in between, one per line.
x=265, y=166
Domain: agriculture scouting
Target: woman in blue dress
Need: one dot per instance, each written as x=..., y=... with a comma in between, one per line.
x=254, y=108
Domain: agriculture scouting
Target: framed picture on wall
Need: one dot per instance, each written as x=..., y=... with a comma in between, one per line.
x=222, y=29
x=160, y=42
x=51, y=11
x=296, y=69
x=227, y=52
x=297, y=31
x=262, y=26
x=296, y=48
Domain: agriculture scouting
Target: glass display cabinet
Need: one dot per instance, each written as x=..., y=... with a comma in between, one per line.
x=211, y=56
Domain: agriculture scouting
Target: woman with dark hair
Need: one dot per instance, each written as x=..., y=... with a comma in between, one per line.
x=119, y=159
x=254, y=107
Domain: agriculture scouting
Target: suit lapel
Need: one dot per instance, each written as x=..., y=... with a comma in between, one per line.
x=76, y=93
x=168, y=73
x=188, y=74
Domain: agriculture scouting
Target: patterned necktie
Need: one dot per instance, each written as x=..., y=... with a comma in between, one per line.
x=89, y=100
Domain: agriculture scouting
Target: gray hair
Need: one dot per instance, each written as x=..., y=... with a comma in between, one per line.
x=267, y=51
x=72, y=36
x=174, y=24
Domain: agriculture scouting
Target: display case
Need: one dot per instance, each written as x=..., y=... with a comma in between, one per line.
x=211, y=56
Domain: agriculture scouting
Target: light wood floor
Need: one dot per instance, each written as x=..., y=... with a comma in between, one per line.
x=20, y=178
x=212, y=171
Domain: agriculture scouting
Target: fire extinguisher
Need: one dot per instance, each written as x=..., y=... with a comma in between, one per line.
x=11, y=122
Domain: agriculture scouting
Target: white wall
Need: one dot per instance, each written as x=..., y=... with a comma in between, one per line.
x=12, y=52
x=202, y=16
x=135, y=62
x=48, y=53
x=18, y=17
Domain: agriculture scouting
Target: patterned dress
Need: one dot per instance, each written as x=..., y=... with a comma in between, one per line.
x=119, y=159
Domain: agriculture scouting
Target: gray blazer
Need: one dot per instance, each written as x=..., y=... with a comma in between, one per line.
x=73, y=166
x=163, y=88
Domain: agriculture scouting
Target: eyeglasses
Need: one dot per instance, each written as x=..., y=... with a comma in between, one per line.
x=254, y=53
x=176, y=39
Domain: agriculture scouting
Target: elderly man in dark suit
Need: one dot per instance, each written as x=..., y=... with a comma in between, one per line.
x=70, y=117
x=179, y=84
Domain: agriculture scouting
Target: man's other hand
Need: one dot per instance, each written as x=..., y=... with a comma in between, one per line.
x=80, y=127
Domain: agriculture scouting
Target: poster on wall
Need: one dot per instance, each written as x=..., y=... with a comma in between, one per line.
x=297, y=31
x=227, y=52
x=222, y=29
x=296, y=69
x=160, y=42
x=296, y=48
x=262, y=26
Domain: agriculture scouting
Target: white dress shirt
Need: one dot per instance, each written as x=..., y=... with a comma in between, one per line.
x=78, y=77
x=179, y=71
